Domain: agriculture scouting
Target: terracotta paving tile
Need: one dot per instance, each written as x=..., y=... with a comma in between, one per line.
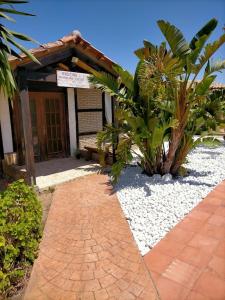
x=204, y=243
x=170, y=290
x=220, y=250
x=190, y=224
x=180, y=235
x=196, y=296
x=101, y=295
x=207, y=207
x=217, y=193
x=88, y=251
x=155, y=276
x=198, y=214
x=113, y=290
x=213, y=200
x=169, y=247
x=216, y=220
x=107, y=280
x=85, y=296
x=122, y=284
x=135, y=289
x=182, y=273
x=217, y=232
x=126, y=295
x=157, y=261
x=194, y=257
x=220, y=211
x=217, y=264
x=87, y=275
x=197, y=271
x=210, y=286
x=92, y=285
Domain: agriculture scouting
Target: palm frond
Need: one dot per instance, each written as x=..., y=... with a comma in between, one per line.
x=15, y=12
x=175, y=38
x=213, y=67
x=203, y=86
x=105, y=82
x=206, y=30
x=125, y=76
x=7, y=40
x=210, y=49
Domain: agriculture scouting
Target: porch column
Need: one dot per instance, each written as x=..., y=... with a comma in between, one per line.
x=27, y=129
x=5, y=124
x=108, y=108
x=113, y=108
x=72, y=120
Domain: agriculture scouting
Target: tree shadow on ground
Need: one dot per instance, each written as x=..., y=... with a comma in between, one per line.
x=147, y=181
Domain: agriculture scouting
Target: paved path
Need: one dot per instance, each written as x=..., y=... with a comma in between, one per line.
x=88, y=251
x=189, y=263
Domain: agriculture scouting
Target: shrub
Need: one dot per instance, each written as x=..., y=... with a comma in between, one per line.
x=20, y=233
x=160, y=109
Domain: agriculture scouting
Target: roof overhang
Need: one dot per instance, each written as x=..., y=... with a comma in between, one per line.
x=73, y=41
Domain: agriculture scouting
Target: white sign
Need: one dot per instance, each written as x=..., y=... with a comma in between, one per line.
x=72, y=79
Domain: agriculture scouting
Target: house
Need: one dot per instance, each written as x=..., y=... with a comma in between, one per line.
x=54, y=114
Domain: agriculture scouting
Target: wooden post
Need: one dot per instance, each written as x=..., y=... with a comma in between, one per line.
x=27, y=129
x=77, y=121
x=103, y=110
x=114, y=123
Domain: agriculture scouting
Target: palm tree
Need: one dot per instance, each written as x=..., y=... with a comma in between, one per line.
x=8, y=42
x=157, y=107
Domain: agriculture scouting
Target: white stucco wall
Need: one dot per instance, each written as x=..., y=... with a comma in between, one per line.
x=5, y=124
x=72, y=120
x=108, y=108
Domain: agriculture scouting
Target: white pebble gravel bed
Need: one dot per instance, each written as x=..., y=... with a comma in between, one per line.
x=154, y=205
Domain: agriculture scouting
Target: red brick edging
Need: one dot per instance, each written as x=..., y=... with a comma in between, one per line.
x=189, y=263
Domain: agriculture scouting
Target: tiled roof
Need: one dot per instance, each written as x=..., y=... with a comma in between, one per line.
x=74, y=39
x=217, y=85
x=214, y=85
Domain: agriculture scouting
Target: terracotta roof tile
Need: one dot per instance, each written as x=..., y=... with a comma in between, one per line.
x=72, y=39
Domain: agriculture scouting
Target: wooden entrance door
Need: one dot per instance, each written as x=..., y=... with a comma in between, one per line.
x=48, y=124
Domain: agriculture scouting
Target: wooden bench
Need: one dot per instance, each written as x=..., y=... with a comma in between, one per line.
x=90, y=151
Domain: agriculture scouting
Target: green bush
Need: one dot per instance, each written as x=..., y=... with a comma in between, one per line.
x=20, y=233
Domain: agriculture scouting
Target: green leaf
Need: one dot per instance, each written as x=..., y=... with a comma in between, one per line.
x=206, y=30
x=216, y=66
x=13, y=2
x=157, y=137
x=210, y=49
x=23, y=37
x=23, y=49
x=15, y=12
x=208, y=141
x=126, y=77
x=199, y=44
x=175, y=39
x=105, y=82
x=2, y=241
x=204, y=85
x=2, y=15
x=146, y=51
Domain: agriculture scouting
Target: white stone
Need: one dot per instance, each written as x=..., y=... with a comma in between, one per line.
x=156, y=177
x=155, y=206
x=167, y=177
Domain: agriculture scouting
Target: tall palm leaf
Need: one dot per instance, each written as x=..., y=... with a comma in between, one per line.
x=10, y=46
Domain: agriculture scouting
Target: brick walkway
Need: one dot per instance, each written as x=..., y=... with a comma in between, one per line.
x=88, y=251
x=189, y=263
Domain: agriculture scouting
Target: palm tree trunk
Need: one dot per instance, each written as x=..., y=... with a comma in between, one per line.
x=173, y=146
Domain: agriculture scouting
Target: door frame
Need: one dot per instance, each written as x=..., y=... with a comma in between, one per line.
x=42, y=130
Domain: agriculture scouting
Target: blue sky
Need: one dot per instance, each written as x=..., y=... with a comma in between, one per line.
x=118, y=27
